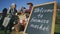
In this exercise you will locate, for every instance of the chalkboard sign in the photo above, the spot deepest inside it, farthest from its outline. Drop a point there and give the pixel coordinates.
(42, 19)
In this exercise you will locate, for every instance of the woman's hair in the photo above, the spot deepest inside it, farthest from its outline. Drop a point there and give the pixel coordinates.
(13, 4)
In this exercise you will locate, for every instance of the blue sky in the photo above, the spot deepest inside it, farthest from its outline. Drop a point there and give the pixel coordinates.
(19, 3)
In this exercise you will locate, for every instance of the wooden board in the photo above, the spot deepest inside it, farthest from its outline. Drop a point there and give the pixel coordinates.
(42, 19)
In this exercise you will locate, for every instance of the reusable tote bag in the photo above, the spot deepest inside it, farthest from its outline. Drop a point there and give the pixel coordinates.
(6, 21)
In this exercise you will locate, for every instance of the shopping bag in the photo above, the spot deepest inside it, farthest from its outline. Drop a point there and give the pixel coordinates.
(6, 21)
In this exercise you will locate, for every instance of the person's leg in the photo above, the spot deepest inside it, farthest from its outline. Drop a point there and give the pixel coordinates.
(16, 29)
(10, 28)
(21, 28)
(11, 25)
(5, 30)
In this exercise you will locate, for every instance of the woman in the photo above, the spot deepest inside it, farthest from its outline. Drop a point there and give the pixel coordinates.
(4, 14)
(12, 13)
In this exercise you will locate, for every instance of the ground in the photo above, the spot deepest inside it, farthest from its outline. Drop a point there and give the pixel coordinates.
(57, 30)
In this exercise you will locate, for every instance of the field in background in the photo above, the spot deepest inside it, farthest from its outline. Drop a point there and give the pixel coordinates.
(57, 28)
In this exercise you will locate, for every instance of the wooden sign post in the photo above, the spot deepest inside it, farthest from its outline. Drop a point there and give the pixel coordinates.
(42, 19)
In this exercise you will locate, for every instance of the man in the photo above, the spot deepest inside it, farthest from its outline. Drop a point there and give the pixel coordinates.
(30, 5)
(28, 11)
(22, 9)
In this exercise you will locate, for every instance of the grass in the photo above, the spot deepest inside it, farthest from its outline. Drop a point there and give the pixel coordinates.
(2, 32)
(57, 28)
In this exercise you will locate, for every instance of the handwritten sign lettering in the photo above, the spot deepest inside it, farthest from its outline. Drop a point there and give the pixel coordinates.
(41, 19)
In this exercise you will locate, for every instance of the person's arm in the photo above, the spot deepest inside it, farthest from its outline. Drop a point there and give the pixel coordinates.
(28, 10)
